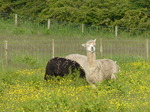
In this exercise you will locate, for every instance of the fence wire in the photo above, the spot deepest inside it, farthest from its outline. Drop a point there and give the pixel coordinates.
(33, 54)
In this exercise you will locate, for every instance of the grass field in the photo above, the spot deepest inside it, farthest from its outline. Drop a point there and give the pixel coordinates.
(26, 91)
(23, 89)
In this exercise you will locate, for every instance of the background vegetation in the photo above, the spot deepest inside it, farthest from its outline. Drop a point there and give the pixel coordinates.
(126, 13)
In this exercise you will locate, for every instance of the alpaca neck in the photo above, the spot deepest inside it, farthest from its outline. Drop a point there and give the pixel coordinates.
(91, 58)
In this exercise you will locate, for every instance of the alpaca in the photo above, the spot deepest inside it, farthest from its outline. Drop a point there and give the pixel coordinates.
(62, 66)
(105, 68)
(98, 70)
(82, 60)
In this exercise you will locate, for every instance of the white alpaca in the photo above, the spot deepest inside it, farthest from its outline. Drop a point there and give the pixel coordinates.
(98, 70)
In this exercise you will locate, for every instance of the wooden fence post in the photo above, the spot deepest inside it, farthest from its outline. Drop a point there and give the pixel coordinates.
(53, 48)
(82, 28)
(101, 48)
(116, 31)
(6, 51)
(49, 24)
(16, 19)
(147, 49)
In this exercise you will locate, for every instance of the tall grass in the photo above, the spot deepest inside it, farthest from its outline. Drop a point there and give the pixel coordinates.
(62, 30)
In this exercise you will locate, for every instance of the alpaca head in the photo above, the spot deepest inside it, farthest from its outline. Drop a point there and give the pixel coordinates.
(90, 45)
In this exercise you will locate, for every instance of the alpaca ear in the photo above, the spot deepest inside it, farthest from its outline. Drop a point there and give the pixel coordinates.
(94, 40)
(84, 45)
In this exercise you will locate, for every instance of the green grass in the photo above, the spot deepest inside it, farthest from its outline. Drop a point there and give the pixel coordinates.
(25, 90)
(65, 30)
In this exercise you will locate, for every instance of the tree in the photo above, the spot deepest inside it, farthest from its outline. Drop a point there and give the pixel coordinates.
(128, 13)
(135, 19)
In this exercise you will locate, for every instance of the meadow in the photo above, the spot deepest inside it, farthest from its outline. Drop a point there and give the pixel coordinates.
(26, 91)
(22, 85)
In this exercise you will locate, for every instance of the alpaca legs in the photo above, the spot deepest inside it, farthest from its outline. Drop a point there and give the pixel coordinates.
(93, 85)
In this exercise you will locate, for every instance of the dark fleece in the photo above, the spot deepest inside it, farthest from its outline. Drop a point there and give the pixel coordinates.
(62, 66)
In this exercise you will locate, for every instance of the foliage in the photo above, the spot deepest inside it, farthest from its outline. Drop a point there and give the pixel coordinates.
(128, 13)
(134, 18)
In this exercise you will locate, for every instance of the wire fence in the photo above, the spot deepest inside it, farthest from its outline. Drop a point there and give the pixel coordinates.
(59, 26)
(29, 53)
(33, 54)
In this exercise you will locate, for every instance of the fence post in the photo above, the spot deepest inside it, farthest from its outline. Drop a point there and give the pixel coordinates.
(49, 24)
(16, 19)
(116, 31)
(82, 28)
(147, 49)
(53, 48)
(6, 51)
(101, 48)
